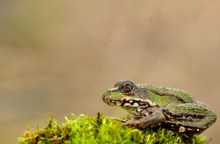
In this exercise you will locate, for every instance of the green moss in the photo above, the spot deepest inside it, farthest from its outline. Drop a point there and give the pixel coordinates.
(100, 129)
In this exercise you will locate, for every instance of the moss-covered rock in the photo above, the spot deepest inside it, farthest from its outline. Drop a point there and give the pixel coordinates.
(101, 129)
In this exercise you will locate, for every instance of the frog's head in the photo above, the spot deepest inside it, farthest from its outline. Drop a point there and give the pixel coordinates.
(128, 95)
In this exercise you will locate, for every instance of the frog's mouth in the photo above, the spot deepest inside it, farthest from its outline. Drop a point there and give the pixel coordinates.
(129, 102)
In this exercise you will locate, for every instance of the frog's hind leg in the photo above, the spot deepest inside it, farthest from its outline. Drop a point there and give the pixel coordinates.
(189, 118)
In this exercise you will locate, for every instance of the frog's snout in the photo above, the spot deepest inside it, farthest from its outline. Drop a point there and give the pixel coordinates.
(106, 99)
(105, 95)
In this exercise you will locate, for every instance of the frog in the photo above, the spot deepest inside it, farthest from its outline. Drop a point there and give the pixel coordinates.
(153, 106)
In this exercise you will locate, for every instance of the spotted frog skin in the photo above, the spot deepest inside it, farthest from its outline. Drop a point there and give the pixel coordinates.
(152, 106)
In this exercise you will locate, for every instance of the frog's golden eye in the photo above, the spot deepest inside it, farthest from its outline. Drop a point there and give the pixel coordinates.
(127, 87)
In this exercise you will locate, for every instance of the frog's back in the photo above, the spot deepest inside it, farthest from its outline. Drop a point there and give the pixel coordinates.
(165, 95)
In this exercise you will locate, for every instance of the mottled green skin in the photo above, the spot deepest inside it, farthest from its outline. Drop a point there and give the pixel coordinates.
(165, 100)
(153, 106)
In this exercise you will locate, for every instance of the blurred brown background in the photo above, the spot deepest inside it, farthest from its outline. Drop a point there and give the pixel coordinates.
(60, 56)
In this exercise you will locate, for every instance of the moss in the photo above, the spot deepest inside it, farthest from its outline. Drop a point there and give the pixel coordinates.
(100, 129)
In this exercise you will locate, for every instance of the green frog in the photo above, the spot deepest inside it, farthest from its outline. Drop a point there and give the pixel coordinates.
(152, 106)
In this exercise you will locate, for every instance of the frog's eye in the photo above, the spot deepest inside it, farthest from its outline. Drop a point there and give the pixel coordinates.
(127, 87)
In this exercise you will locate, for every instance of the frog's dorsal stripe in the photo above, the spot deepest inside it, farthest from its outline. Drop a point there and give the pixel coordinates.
(169, 94)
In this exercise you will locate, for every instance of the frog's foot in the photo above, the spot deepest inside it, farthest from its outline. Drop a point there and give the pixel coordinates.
(119, 120)
(124, 121)
(132, 122)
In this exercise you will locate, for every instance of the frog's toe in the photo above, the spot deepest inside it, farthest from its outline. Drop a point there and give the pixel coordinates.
(127, 124)
(130, 123)
(119, 120)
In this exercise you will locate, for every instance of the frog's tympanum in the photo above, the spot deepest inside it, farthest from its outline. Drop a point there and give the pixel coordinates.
(152, 106)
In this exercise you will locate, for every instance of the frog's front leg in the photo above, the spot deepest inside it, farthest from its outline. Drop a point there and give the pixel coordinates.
(149, 120)
(190, 118)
